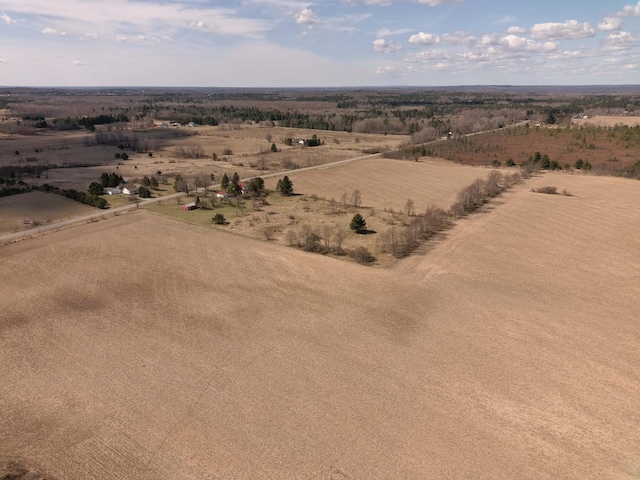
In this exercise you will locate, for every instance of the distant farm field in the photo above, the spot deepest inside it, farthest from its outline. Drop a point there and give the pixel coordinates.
(509, 350)
(39, 208)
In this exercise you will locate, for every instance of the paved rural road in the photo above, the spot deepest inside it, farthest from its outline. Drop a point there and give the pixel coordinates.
(12, 237)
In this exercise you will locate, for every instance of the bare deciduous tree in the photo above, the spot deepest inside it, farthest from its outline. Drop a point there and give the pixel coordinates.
(327, 234)
(409, 207)
(339, 237)
(202, 181)
(356, 198)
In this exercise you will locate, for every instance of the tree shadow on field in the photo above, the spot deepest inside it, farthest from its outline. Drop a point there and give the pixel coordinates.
(367, 232)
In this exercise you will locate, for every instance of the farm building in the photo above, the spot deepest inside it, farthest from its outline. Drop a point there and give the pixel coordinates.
(130, 190)
(222, 194)
(112, 191)
(189, 206)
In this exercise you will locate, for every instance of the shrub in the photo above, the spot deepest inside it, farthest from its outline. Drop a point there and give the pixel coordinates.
(219, 219)
(549, 190)
(361, 255)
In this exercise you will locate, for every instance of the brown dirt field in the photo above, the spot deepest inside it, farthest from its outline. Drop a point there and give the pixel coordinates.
(158, 349)
(386, 183)
(39, 207)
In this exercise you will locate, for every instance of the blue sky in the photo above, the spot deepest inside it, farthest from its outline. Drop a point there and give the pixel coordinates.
(293, 43)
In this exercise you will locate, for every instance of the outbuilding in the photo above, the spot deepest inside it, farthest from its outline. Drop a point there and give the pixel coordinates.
(189, 206)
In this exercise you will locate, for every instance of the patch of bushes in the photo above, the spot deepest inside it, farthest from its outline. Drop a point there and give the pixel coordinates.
(549, 190)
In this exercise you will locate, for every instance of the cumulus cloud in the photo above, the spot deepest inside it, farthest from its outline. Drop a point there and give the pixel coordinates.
(515, 43)
(490, 39)
(427, 56)
(516, 30)
(424, 39)
(459, 38)
(306, 17)
(2, 60)
(382, 46)
(632, 10)
(610, 24)
(78, 63)
(570, 29)
(6, 18)
(51, 31)
(621, 41)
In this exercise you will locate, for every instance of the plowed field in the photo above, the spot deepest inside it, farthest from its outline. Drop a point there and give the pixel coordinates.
(142, 348)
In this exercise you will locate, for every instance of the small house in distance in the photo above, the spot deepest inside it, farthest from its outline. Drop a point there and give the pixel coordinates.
(189, 206)
(130, 190)
(112, 191)
(222, 194)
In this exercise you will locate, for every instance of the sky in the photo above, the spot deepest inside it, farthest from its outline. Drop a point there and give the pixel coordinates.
(335, 43)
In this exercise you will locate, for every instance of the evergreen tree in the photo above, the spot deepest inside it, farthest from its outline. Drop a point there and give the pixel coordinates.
(95, 188)
(224, 182)
(144, 192)
(274, 148)
(153, 181)
(358, 224)
(285, 186)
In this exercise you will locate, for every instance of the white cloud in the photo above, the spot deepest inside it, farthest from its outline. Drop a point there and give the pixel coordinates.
(90, 35)
(382, 46)
(381, 3)
(459, 38)
(386, 70)
(610, 24)
(424, 39)
(6, 18)
(78, 63)
(621, 41)
(306, 17)
(2, 60)
(425, 57)
(435, 3)
(516, 30)
(490, 39)
(632, 10)
(570, 29)
(110, 18)
(385, 32)
(51, 31)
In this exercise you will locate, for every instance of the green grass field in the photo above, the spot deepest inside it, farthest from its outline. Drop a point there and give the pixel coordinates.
(198, 216)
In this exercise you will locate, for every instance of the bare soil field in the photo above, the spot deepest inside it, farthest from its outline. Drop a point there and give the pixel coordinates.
(510, 350)
(39, 208)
